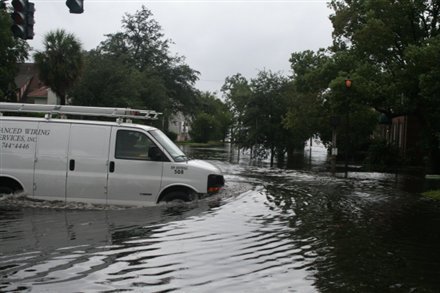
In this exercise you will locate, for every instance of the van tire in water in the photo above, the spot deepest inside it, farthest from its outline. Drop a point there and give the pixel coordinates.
(177, 195)
(6, 190)
(9, 186)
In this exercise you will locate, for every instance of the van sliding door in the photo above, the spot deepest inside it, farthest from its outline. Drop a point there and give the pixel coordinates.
(87, 163)
(51, 160)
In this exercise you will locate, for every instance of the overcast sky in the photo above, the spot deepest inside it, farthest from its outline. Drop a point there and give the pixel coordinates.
(218, 38)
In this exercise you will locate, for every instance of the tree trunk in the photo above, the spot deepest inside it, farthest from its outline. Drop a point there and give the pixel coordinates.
(272, 154)
(289, 156)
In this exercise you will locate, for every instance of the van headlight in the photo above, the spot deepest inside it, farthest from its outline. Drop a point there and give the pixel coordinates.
(215, 183)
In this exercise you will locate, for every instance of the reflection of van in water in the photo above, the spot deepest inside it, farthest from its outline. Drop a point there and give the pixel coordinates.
(96, 162)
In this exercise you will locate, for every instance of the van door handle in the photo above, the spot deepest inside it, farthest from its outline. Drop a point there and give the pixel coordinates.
(111, 167)
(72, 165)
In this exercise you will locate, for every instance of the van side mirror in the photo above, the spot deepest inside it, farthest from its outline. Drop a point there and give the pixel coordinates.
(155, 154)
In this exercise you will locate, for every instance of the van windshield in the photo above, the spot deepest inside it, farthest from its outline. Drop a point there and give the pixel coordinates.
(169, 146)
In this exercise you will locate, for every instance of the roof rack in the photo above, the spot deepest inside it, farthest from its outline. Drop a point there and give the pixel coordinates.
(49, 110)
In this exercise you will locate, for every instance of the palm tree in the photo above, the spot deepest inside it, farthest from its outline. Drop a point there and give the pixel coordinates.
(61, 63)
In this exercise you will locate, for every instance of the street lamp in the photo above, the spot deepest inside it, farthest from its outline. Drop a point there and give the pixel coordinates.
(348, 84)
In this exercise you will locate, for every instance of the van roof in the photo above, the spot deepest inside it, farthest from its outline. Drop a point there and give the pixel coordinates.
(76, 121)
(49, 110)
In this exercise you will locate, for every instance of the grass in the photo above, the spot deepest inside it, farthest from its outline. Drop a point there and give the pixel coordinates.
(434, 194)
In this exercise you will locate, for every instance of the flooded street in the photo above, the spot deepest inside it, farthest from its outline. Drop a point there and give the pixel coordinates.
(270, 230)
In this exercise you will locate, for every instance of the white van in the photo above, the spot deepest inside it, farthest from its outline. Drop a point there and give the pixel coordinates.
(115, 163)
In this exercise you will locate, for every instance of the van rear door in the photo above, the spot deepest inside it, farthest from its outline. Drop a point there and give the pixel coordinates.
(87, 163)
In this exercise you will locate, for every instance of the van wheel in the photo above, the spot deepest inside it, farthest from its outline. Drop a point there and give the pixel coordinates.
(6, 190)
(177, 196)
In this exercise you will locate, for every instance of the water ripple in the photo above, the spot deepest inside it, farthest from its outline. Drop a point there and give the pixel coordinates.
(272, 231)
(199, 252)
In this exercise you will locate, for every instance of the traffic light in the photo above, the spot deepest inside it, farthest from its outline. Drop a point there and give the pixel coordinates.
(75, 6)
(23, 19)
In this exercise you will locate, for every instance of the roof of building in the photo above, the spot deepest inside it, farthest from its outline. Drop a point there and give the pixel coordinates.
(26, 71)
(29, 83)
(39, 92)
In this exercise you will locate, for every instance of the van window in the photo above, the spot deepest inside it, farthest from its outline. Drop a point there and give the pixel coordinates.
(169, 146)
(134, 145)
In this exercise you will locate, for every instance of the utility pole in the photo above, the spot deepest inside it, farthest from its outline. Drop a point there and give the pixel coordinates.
(348, 83)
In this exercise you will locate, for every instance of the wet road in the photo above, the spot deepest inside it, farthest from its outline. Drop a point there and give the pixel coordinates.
(270, 230)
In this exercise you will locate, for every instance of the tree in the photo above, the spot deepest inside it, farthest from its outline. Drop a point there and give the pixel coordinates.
(107, 81)
(266, 111)
(390, 42)
(212, 119)
(61, 63)
(319, 96)
(203, 128)
(141, 41)
(237, 93)
(12, 51)
(309, 112)
(258, 108)
(168, 82)
(304, 117)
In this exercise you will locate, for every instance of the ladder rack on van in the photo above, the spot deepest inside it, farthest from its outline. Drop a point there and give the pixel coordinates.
(49, 110)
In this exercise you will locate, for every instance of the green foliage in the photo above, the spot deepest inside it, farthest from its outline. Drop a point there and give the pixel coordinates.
(171, 135)
(395, 51)
(390, 51)
(237, 93)
(204, 128)
(258, 107)
(12, 51)
(423, 63)
(212, 121)
(384, 38)
(382, 155)
(308, 112)
(141, 41)
(166, 82)
(61, 63)
(107, 81)
(434, 194)
(311, 70)
(134, 68)
(267, 110)
(304, 116)
(318, 95)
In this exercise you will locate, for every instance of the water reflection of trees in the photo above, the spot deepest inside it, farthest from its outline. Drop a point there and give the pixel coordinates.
(371, 241)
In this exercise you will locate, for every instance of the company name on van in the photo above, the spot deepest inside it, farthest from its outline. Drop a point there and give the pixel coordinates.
(19, 138)
(27, 131)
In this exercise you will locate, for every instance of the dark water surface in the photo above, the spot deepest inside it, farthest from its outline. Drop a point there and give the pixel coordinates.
(270, 230)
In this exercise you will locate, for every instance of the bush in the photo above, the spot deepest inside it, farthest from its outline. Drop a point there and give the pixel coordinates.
(171, 135)
(204, 128)
(383, 155)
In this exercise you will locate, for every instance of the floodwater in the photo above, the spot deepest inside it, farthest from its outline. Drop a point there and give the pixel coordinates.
(270, 230)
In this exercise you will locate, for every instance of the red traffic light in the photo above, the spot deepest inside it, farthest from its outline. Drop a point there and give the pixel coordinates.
(19, 5)
(18, 17)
